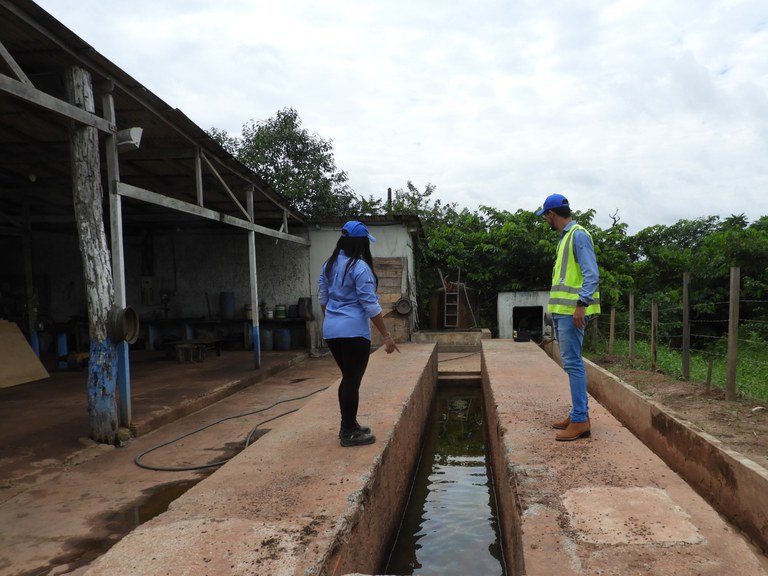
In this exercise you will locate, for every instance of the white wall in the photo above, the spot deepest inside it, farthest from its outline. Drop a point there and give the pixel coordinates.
(193, 266)
(196, 267)
(392, 240)
(508, 301)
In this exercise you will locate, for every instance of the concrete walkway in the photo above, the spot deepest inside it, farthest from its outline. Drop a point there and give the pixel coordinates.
(64, 500)
(604, 505)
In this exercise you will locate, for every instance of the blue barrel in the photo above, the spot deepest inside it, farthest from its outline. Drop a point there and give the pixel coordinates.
(282, 339)
(227, 305)
(265, 338)
(298, 336)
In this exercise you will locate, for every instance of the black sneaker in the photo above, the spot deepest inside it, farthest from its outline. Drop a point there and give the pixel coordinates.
(357, 428)
(357, 438)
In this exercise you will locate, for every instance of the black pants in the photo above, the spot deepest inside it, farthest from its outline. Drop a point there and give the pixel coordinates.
(351, 354)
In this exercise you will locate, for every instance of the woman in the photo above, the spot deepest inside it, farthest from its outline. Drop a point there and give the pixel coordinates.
(347, 294)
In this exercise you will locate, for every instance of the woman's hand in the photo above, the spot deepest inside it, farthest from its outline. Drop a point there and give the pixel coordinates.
(389, 344)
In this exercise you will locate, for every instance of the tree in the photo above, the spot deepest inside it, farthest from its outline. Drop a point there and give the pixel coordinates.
(615, 258)
(298, 164)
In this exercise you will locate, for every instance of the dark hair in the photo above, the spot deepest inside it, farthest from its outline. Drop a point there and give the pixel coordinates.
(356, 249)
(563, 211)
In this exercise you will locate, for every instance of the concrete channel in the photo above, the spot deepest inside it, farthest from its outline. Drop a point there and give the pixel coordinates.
(296, 503)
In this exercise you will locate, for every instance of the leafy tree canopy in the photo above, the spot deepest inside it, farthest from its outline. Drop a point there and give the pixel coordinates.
(298, 164)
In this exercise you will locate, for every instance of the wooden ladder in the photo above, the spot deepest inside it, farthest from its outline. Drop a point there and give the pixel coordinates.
(451, 309)
(451, 304)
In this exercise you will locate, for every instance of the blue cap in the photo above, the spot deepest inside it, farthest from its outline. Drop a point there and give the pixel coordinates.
(355, 229)
(553, 201)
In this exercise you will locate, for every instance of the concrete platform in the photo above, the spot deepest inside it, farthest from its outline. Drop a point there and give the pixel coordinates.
(604, 505)
(65, 499)
(297, 503)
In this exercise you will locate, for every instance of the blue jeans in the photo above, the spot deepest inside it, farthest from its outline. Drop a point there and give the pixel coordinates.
(569, 340)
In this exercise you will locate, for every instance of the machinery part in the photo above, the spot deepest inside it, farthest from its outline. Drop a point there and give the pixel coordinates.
(122, 324)
(403, 306)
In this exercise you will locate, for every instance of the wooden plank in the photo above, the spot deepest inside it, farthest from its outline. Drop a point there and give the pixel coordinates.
(43, 100)
(18, 363)
(390, 273)
(389, 261)
(389, 286)
(388, 300)
(179, 205)
(15, 68)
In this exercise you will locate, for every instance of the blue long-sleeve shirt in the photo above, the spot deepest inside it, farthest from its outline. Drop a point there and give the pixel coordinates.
(350, 300)
(584, 251)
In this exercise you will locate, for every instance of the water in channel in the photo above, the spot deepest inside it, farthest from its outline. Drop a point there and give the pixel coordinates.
(450, 525)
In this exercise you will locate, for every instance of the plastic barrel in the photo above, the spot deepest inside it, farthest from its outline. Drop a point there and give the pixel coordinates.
(282, 338)
(265, 337)
(227, 305)
(298, 336)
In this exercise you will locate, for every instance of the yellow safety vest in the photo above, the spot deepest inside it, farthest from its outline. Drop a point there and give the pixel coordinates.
(567, 279)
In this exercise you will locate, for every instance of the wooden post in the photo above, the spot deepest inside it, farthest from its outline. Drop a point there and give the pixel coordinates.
(87, 195)
(29, 281)
(686, 355)
(118, 258)
(631, 328)
(654, 327)
(594, 332)
(733, 333)
(612, 331)
(254, 327)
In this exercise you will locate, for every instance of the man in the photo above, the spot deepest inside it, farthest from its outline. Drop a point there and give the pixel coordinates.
(574, 297)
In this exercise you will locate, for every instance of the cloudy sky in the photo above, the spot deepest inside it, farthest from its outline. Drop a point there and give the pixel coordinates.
(651, 110)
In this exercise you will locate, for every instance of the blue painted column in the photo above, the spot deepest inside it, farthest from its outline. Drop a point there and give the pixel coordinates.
(256, 339)
(124, 381)
(34, 342)
(61, 349)
(102, 376)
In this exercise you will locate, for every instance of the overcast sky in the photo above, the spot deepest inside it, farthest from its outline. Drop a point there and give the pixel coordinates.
(656, 110)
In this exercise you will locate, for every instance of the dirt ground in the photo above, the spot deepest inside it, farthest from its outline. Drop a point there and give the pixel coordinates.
(741, 425)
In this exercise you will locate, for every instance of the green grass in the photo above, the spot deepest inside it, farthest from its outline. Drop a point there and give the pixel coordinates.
(751, 364)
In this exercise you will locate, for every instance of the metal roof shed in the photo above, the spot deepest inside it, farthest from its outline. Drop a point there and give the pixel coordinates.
(177, 174)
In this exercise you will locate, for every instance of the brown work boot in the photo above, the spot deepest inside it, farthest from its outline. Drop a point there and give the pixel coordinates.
(574, 431)
(563, 424)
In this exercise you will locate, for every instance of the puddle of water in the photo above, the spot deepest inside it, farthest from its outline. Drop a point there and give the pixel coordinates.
(119, 523)
(450, 525)
(158, 501)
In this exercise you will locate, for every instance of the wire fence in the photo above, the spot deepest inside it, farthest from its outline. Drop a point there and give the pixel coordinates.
(708, 342)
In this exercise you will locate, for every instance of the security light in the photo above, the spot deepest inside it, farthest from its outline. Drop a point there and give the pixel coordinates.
(129, 139)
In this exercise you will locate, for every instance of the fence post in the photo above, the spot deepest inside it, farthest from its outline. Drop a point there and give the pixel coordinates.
(686, 356)
(631, 327)
(654, 323)
(612, 331)
(733, 333)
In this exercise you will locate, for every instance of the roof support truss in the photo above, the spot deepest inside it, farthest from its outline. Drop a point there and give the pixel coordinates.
(38, 98)
(160, 200)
